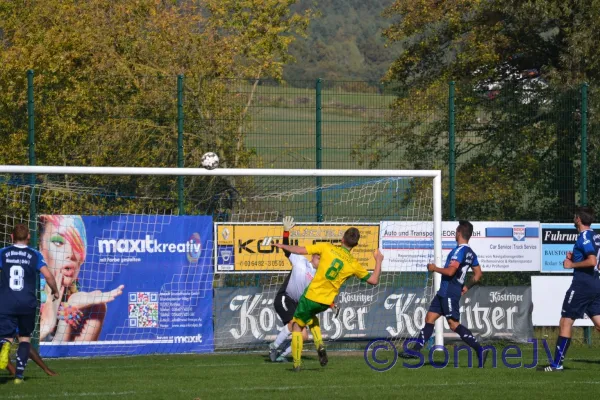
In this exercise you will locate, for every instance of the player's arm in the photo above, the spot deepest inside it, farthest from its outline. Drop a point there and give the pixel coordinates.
(35, 356)
(288, 224)
(50, 281)
(11, 369)
(590, 261)
(477, 274)
(292, 249)
(450, 271)
(374, 278)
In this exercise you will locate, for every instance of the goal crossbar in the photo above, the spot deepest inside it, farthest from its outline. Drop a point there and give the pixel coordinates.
(25, 169)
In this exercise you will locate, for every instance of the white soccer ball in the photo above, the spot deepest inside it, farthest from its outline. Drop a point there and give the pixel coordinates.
(210, 160)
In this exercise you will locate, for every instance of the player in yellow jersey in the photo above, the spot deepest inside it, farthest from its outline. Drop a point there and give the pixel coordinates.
(335, 267)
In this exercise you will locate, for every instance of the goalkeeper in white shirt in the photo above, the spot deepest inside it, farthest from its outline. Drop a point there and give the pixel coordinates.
(289, 293)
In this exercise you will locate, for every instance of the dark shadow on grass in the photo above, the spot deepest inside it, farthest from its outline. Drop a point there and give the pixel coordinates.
(267, 359)
(583, 360)
(311, 370)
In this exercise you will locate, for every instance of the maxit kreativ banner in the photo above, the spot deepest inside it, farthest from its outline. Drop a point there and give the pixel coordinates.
(129, 284)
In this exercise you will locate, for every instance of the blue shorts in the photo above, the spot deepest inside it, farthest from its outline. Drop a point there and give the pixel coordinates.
(449, 307)
(23, 323)
(578, 301)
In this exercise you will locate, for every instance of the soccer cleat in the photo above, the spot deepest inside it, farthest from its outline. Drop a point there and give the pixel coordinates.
(4, 354)
(18, 381)
(273, 352)
(408, 356)
(551, 368)
(281, 359)
(296, 369)
(322, 355)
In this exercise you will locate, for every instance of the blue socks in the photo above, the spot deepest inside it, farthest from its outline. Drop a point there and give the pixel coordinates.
(562, 345)
(424, 336)
(467, 337)
(22, 358)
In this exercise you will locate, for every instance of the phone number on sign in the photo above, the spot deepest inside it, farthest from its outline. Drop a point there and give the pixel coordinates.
(275, 263)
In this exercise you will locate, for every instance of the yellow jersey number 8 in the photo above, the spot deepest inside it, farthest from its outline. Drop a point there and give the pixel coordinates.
(334, 269)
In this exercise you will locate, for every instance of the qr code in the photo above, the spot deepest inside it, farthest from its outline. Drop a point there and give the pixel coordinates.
(143, 310)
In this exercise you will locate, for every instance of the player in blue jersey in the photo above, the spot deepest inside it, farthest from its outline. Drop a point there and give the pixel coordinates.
(584, 294)
(19, 266)
(447, 300)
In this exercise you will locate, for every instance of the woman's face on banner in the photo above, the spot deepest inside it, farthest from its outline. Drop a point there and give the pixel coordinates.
(63, 248)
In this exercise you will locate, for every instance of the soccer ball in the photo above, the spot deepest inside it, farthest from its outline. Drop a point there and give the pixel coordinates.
(210, 160)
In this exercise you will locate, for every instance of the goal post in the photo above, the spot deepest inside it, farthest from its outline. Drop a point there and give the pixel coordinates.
(144, 279)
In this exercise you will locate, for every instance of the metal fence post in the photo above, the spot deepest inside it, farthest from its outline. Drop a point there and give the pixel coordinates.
(32, 205)
(583, 184)
(318, 148)
(451, 153)
(587, 331)
(31, 145)
(180, 195)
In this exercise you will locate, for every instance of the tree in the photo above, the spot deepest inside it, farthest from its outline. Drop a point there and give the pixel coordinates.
(518, 67)
(261, 31)
(344, 42)
(105, 80)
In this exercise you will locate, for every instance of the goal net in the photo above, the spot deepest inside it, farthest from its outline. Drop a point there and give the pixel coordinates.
(146, 266)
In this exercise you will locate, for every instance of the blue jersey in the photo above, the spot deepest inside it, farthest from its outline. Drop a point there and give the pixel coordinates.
(587, 244)
(452, 285)
(19, 267)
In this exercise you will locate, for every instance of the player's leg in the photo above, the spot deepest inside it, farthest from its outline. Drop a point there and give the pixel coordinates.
(451, 310)
(297, 342)
(11, 369)
(301, 317)
(26, 326)
(8, 328)
(288, 350)
(573, 308)
(427, 330)
(434, 312)
(467, 336)
(305, 312)
(315, 329)
(283, 334)
(562, 343)
(22, 358)
(282, 337)
(35, 356)
(593, 311)
(285, 308)
(4, 352)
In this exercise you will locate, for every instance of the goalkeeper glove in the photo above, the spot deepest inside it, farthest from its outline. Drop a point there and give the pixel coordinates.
(336, 310)
(288, 223)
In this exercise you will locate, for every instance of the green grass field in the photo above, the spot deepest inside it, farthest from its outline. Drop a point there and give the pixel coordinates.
(252, 376)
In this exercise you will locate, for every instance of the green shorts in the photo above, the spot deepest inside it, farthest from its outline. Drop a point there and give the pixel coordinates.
(307, 310)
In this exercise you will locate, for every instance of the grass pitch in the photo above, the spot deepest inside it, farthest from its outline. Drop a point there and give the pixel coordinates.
(252, 376)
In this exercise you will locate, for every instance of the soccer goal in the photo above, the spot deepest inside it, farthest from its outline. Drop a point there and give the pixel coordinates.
(147, 266)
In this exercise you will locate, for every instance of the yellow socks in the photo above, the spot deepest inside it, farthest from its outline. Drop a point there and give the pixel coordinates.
(316, 333)
(297, 343)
